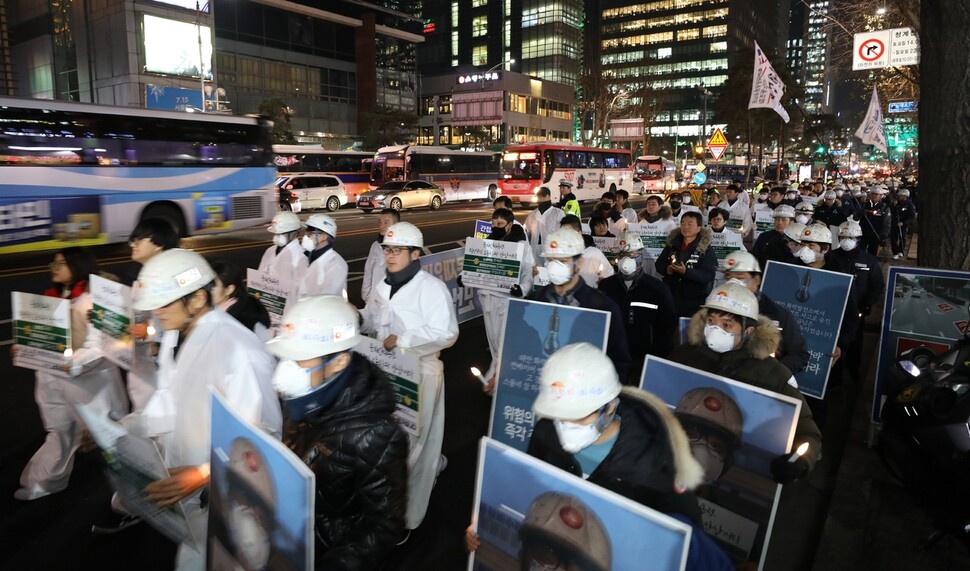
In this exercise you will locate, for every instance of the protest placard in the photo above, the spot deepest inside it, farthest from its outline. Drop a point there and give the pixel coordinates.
(111, 316)
(446, 266)
(653, 235)
(41, 332)
(269, 291)
(482, 229)
(401, 367)
(764, 220)
(492, 264)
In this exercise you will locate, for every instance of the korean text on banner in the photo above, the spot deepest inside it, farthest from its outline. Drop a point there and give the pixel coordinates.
(872, 131)
(482, 229)
(653, 235)
(492, 264)
(764, 220)
(41, 332)
(767, 88)
(446, 266)
(112, 315)
(269, 291)
(401, 367)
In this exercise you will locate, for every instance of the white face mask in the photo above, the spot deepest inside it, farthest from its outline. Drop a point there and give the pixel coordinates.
(801, 219)
(718, 340)
(838, 194)
(559, 272)
(291, 380)
(807, 255)
(308, 243)
(627, 266)
(280, 240)
(711, 461)
(686, 200)
(250, 538)
(848, 244)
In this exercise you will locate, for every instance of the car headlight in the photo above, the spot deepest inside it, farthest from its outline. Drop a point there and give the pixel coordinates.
(380, 197)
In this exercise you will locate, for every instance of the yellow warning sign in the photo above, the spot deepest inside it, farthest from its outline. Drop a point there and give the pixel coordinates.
(717, 139)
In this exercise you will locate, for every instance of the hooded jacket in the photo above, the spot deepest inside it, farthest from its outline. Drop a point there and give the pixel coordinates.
(650, 463)
(359, 456)
(649, 314)
(830, 215)
(752, 364)
(691, 289)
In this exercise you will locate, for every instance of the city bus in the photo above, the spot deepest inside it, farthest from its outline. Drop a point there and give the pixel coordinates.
(529, 166)
(351, 167)
(464, 175)
(657, 173)
(76, 174)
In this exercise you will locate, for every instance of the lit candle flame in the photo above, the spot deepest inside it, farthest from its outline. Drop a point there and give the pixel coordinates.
(799, 452)
(478, 375)
(68, 352)
(150, 330)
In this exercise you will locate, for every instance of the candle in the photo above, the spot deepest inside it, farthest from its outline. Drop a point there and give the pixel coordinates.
(150, 330)
(802, 449)
(478, 375)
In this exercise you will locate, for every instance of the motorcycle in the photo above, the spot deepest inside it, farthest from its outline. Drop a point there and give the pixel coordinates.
(925, 441)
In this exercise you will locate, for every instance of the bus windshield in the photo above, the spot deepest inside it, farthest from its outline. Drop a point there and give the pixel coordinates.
(521, 166)
(649, 168)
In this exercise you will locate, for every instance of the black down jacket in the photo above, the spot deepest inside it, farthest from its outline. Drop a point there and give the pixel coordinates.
(359, 456)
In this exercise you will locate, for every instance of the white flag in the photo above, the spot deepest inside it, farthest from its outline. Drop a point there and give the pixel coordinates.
(872, 131)
(766, 87)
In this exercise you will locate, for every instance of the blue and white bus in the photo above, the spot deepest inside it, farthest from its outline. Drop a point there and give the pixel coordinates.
(74, 174)
(463, 175)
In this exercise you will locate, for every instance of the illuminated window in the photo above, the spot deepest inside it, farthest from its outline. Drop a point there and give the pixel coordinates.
(689, 34)
(480, 55)
(479, 26)
(479, 3)
(718, 47)
(715, 31)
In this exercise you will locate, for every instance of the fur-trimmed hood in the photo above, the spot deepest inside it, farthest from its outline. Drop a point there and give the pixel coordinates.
(703, 239)
(665, 214)
(761, 343)
(689, 472)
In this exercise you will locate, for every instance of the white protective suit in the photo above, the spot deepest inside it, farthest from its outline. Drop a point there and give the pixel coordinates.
(422, 315)
(495, 308)
(539, 225)
(326, 275)
(94, 381)
(739, 211)
(374, 271)
(222, 354)
(141, 376)
(288, 266)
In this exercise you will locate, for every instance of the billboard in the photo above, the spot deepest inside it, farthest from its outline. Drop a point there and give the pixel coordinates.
(172, 47)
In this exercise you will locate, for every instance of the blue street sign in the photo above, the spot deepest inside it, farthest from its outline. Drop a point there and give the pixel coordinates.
(172, 98)
(700, 178)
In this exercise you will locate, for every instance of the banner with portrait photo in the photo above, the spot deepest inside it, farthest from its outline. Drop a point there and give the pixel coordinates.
(111, 316)
(528, 513)
(817, 299)
(261, 499)
(41, 332)
(925, 307)
(401, 367)
(492, 264)
(446, 266)
(736, 430)
(533, 331)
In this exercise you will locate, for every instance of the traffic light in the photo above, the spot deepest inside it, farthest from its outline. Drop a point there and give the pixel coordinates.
(699, 151)
(820, 150)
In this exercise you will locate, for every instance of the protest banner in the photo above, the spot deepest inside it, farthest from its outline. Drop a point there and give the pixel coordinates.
(534, 331)
(516, 494)
(41, 332)
(482, 229)
(261, 499)
(269, 291)
(817, 299)
(446, 266)
(492, 264)
(764, 220)
(738, 503)
(608, 246)
(653, 235)
(111, 316)
(724, 243)
(401, 367)
(925, 307)
(131, 463)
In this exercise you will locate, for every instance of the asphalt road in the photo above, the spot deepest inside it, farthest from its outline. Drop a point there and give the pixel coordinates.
(927, 314)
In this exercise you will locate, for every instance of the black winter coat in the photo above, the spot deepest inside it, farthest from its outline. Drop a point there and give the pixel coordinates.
(249, 311)
(359, 456)
(648, 329)
(690, 289)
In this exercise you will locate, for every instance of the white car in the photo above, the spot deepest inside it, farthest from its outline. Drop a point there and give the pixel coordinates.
(314, 190)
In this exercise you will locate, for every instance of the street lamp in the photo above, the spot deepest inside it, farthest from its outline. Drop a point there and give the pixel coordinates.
(493, 68)
(198, 27)
(621, 95)
(705, 91)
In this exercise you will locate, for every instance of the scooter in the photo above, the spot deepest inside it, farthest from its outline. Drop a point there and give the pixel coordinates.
(925, 441)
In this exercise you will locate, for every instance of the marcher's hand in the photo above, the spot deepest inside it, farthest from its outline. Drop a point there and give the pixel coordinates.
(87, 441)
(90, 315)
(535, 271)
(471, 539)
(13, 352)
(835, 356)
(515, 290)
(785, 472)
(489, 386)
(679, 267)
(138, 330)
(390, 342)
(182, 482)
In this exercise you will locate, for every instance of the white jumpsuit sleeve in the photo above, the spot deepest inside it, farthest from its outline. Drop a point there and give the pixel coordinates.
(440, 328)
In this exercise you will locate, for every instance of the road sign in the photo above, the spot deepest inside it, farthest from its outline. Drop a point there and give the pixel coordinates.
(717, 144)
(700, 178)
(903, 106)
(896, 47)
(699, 167)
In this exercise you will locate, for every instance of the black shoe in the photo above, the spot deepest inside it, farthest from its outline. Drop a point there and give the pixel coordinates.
(116, 524)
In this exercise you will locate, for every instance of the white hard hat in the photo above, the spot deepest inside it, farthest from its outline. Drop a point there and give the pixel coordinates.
(316, 326)
(168, 276)
(783, 211)
(403, 234)
(850, 229)
(829, 195)
(805, 206)
(741, 261)
(817, 232)
(903, 192)
(878, 189)
(284, 223)
(323, 223)
(733, 297)
(629, 242)
(794, 231)
(563, 243)
(576, 381)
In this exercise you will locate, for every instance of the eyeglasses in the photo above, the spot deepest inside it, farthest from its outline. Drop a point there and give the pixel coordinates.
(395, 250)
(56, 264)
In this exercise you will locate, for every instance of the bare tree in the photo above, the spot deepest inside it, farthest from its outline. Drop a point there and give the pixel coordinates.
(944, 130)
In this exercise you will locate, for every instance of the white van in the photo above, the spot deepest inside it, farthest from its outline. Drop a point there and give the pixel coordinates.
(314, 190)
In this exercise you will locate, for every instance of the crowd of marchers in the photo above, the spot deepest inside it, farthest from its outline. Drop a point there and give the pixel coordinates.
(197, 329)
